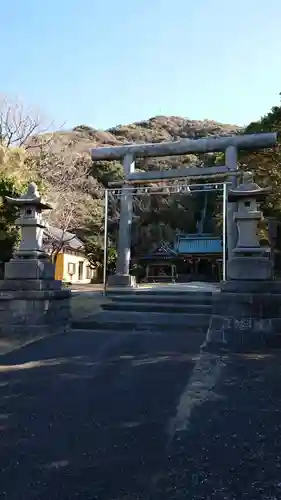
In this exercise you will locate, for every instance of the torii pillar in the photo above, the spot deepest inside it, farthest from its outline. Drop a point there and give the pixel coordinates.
(231, 154)
(122, 276)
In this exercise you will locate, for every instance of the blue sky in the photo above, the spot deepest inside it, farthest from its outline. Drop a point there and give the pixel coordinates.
(107, 62)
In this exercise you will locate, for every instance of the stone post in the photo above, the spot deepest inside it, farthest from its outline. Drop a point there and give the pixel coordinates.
(32, 302)
(122, 276)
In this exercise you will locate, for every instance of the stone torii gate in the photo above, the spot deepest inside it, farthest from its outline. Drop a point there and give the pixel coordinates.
(128, 153)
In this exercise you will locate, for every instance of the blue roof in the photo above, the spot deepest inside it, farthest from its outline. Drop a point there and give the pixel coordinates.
(199, 245)
(188, 244)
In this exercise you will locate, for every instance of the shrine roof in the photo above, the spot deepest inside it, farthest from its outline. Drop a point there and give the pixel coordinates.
(198, 244)
(160, 253)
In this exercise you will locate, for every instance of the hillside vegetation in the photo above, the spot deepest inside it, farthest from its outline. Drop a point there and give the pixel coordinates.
(60, 163)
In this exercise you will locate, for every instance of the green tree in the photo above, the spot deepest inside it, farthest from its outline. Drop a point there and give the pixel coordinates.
(94, 247)
(14, 177)
(107, 171)
(266, 165)
(9, 235)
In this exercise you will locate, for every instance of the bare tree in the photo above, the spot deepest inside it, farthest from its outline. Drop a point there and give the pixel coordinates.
(27, 152)
(75, 196)
(18, 124)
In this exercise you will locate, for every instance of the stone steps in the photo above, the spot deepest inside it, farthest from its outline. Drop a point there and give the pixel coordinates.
(144, 306)
(153, 310)
(163, 298)
(123, 320)
(138, 292)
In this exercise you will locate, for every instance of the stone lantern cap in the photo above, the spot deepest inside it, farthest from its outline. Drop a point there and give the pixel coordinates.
(31, 197)
(248, 189)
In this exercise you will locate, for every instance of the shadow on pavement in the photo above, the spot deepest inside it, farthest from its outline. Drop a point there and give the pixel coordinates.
(138, 416)
(85, 415)
(231, 448)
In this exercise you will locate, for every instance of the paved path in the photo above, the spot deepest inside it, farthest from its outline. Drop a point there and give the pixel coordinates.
(192, 286)
(197, 286)
(138, 416)
(84, 416)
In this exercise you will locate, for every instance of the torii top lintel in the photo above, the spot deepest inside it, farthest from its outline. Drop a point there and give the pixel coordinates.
(186, 146)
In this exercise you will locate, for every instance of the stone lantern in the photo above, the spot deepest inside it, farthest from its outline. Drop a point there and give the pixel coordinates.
(32, 303)
(249, 261)
(30, 222)
(30, 261)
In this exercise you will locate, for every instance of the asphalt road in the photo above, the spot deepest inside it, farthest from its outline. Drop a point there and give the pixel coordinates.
(138, 416)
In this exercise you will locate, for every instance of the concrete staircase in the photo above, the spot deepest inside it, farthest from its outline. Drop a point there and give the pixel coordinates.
(159, 309)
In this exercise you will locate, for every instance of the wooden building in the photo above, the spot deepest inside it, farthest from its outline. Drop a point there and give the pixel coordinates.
(192, 257)
(72, 265)
(200, 257)
(160, 266)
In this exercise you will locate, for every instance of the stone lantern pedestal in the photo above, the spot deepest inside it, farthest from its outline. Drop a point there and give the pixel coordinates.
(32, 302)
(247, 313)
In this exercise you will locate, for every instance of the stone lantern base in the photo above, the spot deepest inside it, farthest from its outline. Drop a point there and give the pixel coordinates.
(246, 316)
(32, 303)
(29, 269)
(256, 267)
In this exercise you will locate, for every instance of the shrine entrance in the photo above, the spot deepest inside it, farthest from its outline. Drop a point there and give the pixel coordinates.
(128, 153)
(188, 257)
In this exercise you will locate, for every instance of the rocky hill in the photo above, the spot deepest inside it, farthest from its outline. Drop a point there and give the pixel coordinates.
(156, 129)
